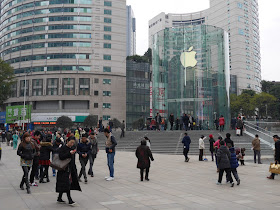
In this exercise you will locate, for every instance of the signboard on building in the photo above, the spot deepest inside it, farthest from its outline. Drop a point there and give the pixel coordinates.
(52, 117)
(2, 117)
(15, 114)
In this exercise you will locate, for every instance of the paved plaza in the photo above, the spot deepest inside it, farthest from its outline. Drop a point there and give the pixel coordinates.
(173, 184)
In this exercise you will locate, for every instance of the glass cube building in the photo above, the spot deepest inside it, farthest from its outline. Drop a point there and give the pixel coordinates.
(191, 73)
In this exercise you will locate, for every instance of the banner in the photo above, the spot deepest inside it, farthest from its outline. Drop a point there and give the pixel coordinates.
(2, 117)
(14, 114)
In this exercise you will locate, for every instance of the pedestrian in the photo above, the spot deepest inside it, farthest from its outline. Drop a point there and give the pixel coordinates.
(201, 147)
(3, 136)
(276, 154)
(256, 143)
(67, 179)
(228, 140)
(26, 151)
(100, 125)
(148, 142)
(216, 147)
(186, 141)
(223, 159)
(144, 154)
(222, 123)
(242, 154)
(84, 150)
(9, 138)
(177, 123)
(158, 121)
(77, 135)
(44, 159)
(111, 151)
(111, 124)
(15, 140)
(122, 128)
(239, 126)
(186, 122)
(234, 164)
(211, 142)
(162, 123)
(34, 172)
(171, 121)
(56, 145)
(94, 150)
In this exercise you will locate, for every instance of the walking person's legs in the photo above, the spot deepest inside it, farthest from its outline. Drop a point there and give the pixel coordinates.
(34, 168)
(110, 158)
(235, 174)
(221, 173)
(259, 157)
(25, 178)
(200, 154)
(42, 174)
(147, 174)
(229, 177)
(212, 155)
(90, 172)
(255, 155)
(141, 174)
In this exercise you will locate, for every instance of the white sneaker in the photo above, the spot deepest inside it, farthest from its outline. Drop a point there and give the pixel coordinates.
(110, 179)
(106, 177)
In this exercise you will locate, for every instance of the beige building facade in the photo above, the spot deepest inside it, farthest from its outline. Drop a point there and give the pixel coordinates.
(72, 52)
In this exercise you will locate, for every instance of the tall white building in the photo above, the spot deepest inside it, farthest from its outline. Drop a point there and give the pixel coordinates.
(131, 32)
(241, 20)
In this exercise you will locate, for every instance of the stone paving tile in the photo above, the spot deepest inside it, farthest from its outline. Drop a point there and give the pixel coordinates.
(173, 184)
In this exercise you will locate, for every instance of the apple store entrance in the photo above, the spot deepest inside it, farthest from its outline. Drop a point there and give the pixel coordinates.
(191, 73)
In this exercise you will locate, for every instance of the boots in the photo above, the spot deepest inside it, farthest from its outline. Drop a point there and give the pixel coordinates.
(28, 190)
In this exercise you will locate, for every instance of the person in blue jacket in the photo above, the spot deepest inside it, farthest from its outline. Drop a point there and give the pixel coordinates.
(84, 150)
(186, 141)
(234, 163)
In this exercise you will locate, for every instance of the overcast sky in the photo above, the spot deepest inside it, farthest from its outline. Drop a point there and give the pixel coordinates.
(145, 10)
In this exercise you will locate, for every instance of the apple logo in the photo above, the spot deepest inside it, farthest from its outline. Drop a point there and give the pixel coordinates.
(188, 58)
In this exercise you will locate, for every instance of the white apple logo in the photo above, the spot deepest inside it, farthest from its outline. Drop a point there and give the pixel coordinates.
(188, 58)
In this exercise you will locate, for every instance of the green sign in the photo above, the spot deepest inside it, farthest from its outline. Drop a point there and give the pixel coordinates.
(16, 113)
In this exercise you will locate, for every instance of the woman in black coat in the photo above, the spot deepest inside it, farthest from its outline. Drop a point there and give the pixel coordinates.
(44, 159)
(144, 154)
(68, 179)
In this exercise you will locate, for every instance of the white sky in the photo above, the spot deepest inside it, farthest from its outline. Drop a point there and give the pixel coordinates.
(144, 10)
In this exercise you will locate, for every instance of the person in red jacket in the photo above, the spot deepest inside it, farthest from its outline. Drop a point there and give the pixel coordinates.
(222, 123)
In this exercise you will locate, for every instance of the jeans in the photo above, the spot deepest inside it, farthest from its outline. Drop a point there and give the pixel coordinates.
(110, 162)
(24, 179)
(235, 174)
(185, 152)
(83, 162)
(68, 196)
(257, 153)
(34, 168)
(200, 154)
(91, 161)
(228, 175)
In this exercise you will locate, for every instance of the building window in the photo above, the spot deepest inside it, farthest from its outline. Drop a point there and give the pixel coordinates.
(106, 106)
(107, 28)
(95, 105)
(106, 93)
(96, 92)
(37, 87)
(241, 31)
(96, 80)
(240, 5)
(107, 3)
(52, 87)
(107, 37)
(106, 69)
(107, 81)
(14, 90)
(68, 87)
(84, 86)
(106, 117)
(22, 87)
(107, 57)
(107, 20)
(107, 12)
(107, 45)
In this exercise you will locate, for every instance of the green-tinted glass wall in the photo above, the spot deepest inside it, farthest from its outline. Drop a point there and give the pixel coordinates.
(191, 73)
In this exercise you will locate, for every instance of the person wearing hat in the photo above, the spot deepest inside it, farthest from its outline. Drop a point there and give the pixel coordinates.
(201, 147)
(277, 154)
(211, 141)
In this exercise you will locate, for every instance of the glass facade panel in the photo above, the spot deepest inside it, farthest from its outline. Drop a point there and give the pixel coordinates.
(106, 93)
(52, 87)
(107, 20)
(106, 69)
(107, 57)
(22, 88)
(37, 87)
(84, 86)
(68, 86)
(14, 90)
(191, 73)
(108, 3)
(107, 37)
(107, 81)
(107, 45)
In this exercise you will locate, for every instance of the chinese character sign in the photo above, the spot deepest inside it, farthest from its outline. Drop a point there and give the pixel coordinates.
(16, 113)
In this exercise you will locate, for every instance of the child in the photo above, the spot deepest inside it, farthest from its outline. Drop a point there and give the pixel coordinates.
(234, 164)
(242, 154)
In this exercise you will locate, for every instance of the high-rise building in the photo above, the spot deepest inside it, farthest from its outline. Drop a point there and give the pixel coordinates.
(240, 19)
(131, 32)
(72, 53)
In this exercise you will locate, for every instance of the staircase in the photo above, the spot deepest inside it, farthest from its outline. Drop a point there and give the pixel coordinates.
(169, 142)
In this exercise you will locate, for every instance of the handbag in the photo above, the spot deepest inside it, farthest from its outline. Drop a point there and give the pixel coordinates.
(274, 168)
(58, 163)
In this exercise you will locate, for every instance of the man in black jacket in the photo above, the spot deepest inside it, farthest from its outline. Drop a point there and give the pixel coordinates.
(171, 120)
(228, 140)
(84, 150)
(277, 153)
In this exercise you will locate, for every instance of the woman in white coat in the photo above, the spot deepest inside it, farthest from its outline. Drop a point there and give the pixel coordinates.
(201, 147)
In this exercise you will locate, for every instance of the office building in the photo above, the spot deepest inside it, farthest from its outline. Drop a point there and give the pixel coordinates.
(131, 32)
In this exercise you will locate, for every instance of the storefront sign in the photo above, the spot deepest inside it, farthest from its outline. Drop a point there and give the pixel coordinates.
(2, 117)
(16, 113)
